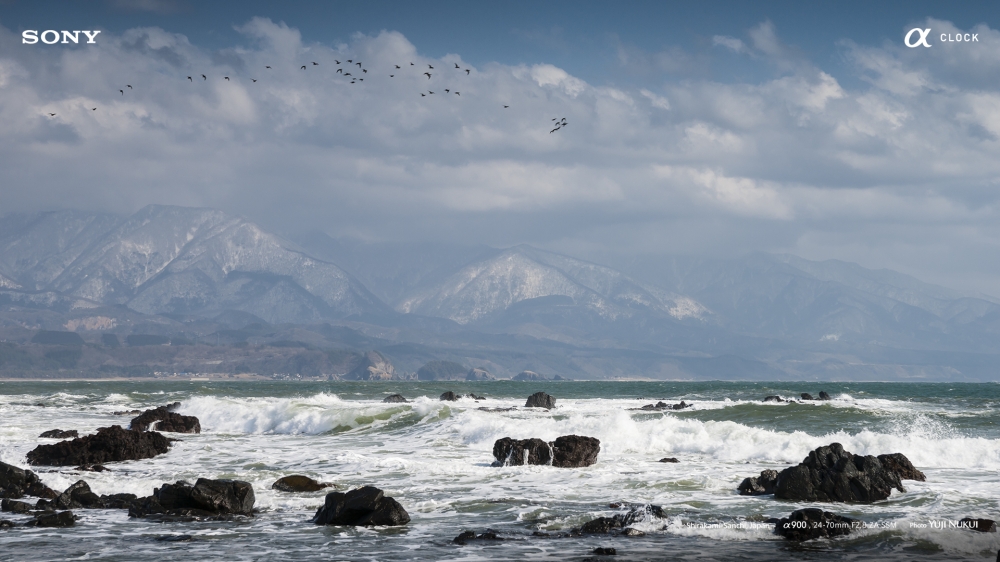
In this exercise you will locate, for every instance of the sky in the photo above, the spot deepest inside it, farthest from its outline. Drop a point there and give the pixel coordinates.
(707, 129)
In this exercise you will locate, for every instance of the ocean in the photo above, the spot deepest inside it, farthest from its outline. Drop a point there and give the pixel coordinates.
(435, 458)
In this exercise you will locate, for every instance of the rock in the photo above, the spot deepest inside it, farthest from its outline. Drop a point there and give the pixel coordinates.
(466, 536)
(824, 396)
(478, 374)
(61, 519)
(475, 397)
(759, 485)
(664, 406)
(513, 452)
(669, 459)
(373, 367)
(813, 523)
(78, 496)
(574, 451)
(14, 506)
(174, 538)
(60, 434)
(681, 406)
(17, 482)
(831, 474)
(362, 506)
(620, 523)
(540, 400)
(394, 399)
(299, 483)
(6, 524)
(449, 396)
(605, 551)
(807, 396)
(126, 413)
(529, 376)
(91, 468)
(207, 498)
(774, 398)
(118, 501)
(485, 409)
(898, 463)
(163, 419)
(981, 525)
(109, 444)
(630, 532)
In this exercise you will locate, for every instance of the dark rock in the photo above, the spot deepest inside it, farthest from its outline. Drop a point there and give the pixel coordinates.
(6, 524)
(91, 468)
(605, 551)
(773, 399)
(574, 451)
(394, 398)
(898, 463)
(620, 523)
(759, 485)
(181, 501)
(17, 482)
(60, 434)
(807, 396)
(812, 523)
(78, 496)
(174, 538)
(109, 444)
(449, 396)
(14, 506)
(474, 397)
(61, 519)
(831, 474)
(824, 396)
(361, 507)
(299, 483)
(540, 400)
(485, 409)
(514, 452)
(669, 459)
(981, 525)
(118, 501)
(163, 419)
(126, 413)
(630, 532)
(466, 536)
(681, 406)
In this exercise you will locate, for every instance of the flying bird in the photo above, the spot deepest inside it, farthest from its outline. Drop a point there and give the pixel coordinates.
(411, 64)
(129, 86)
(365, 70)
(340, 70)
(52, 114)
(336, 61)
(349, 60)
(430, 67)
(447, 90)
(315, 63)
(506, 106)
(423, 95)
(456, 65)
(267, 67)
(458, 93)
(392, 76)
(254, 79)
(396, 65)
(359, 64)
(347, 74)
(203, 77)
(226, 77)
(122, 91)
(428, 74)
(189, 78)
(466, 71)
(303, 67)
(429, 92)
(94, 109)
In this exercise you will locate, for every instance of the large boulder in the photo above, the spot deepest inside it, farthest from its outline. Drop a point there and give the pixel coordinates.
(78, 496)
(620, 523)
(206, 498)
(17, 482)
(898, 463)
(759, 485)
(449, 396)
(812, 523)
(109, 444)
(567, 451)
(540, 400)
(163, 419)
(298, 483)
(831, 474)
(61, 519)
(60, 434)
(362, 506)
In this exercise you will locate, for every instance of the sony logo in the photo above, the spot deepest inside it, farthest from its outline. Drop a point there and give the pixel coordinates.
(51, 36)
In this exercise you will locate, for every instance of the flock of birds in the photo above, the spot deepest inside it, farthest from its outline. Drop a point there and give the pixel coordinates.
(559, 123)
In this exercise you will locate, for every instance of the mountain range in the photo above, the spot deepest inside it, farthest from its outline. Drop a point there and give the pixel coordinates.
(199, 272)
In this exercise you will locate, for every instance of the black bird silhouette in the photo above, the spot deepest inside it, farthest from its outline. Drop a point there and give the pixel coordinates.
(411, 64)
(466, 71)
(347, 74)
(189, 78)
(428, 74)
(129, 86)
(94, 109)
(52, 114)
(122, 91)
(267, 67)
(336, 61)
(456, 65)
(506, 106)
(340, 70)
(396, 65)
(303, 67)
(458, 93)
(254, 79)
(430, 67)
(392, 76)
(359, 64)
(226, 77)
(203, 77)
(447, 90)
(365, 70)
(349, 60)
(423, 95)
(361, 79)
(315, 64)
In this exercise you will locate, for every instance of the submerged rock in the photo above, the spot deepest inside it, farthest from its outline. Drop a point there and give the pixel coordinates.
(812, 523)
(669, 459)
(14, 506)
(18, 482)
(61, 519)
(540, 400)
(605, 550)
(831, 474)
(361, 507)
(807, 396)
(759, 485)
(466, 536)
(59, 434)
(567, 451)
(299, 483)
(91, 468)
(664, 406)
(394, 399)
(824, 396)
(164, 419)
(109, 444)
(449, 397)
(898, 463)
(620, 523)
(773, 398)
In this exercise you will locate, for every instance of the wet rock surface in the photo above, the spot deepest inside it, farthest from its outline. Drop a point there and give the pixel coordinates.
(394, 399)
(540, 400)
(165, 419)
(773, 398)
(205, 499)
(659, 406)
(573, 451)
(831, 474)
(898, 463)
(813, 523)
(299, 483)
(620, 523)
(469, 536)
(449, 397)
(366, 506)
(14, 506)
(61, 519)
(567, 451)
(759, 485)
(18, 482)
(59, 434)
(669, 459)
(109, 444)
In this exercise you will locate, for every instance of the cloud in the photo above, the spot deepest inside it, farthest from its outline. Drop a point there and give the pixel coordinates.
(795, 161)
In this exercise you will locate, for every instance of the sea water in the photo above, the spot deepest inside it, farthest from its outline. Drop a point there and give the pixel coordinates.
(435, 458)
